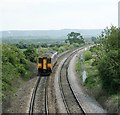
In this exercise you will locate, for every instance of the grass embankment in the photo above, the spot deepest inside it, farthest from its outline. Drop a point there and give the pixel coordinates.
(15, 70)
(93, 83)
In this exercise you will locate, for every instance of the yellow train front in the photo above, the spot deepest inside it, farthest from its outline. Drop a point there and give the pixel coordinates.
(46, 63)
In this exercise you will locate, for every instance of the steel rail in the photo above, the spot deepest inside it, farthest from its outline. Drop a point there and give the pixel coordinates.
(33, 96)
(60, 84)
(46, 97)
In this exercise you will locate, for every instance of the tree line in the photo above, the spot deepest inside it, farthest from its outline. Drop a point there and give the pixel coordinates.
(108, 59)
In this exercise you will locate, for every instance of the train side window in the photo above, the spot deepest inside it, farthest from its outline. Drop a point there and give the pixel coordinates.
(40, 60)
(49, 60)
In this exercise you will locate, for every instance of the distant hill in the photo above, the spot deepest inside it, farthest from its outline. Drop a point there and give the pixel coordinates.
(56, 34)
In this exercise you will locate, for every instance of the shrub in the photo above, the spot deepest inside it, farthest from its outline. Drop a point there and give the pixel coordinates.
(30, 54)
(108, 59)
(109, 72)
(14, 65)
(87, 55)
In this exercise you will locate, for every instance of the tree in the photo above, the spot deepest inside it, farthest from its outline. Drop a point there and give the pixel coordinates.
(30, 54)
(21, 45)
(74, 37)
(108, 62)
(44, 45)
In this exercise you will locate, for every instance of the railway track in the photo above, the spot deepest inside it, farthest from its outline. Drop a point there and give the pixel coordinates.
(39, 99)
(69, 99)
(34, 104)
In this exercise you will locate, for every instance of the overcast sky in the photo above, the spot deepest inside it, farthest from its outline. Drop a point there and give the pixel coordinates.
(57, 14)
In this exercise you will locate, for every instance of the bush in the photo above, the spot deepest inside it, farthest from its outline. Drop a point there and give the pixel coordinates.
(109, 72)
(93, 49)
(9, 75)
(14, 66)
(108, 59)
(31, 54)
(76, 45)
(61, 49)
(87, 55)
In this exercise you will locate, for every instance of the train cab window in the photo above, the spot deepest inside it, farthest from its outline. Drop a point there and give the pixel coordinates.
(49, 60)
(40, 60)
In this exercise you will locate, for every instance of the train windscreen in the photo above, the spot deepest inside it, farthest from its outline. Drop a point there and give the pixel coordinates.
(40, 60)
(49, 60)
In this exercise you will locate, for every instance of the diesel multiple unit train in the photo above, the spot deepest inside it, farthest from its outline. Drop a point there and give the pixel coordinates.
(46, 62)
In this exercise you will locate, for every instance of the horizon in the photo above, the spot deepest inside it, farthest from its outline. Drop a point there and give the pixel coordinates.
(51, 33)
(52, 29)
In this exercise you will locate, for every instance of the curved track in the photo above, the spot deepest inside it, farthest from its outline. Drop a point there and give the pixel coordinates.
(70, 100)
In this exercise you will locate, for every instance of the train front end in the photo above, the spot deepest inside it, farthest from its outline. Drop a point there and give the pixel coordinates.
(44, 66)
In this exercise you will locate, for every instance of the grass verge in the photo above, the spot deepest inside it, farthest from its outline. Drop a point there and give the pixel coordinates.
(93, 86)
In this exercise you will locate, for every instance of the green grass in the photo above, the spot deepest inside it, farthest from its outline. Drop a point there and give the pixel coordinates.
(78, 67)
(9, 75)
(93, 84)
(92, 80)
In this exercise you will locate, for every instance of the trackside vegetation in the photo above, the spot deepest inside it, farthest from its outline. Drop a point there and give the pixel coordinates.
(87, 55)
(102, 67)
(108, 59)
(14, 66)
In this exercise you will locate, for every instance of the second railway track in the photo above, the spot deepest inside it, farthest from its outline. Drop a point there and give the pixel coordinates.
(69, 99)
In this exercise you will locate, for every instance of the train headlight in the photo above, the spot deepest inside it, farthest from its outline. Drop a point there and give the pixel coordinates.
(39, 65)
(50, 66)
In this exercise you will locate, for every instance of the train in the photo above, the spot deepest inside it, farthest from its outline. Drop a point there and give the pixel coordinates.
(46, 62)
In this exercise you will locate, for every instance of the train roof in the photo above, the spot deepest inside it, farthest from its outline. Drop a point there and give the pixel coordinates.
(49, 54)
